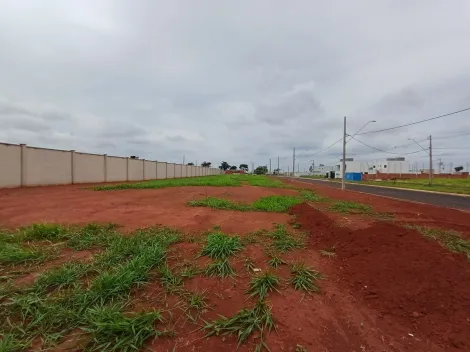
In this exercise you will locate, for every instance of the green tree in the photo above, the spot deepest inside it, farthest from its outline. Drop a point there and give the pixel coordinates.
(261, 170)
(191, 164)
(224, 166)
(206, 164)
(233, 167)
(244, 167)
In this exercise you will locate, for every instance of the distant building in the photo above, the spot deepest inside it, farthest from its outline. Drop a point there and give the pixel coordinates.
(385, 166)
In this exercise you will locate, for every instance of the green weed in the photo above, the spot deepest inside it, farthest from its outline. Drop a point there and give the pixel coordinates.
(310, 195)
(50, 232)
(221, 246)
(189, 270)
(249, 264)
(170, 281)
(219, 203)
(276, 262)
(305, 278)
(278, 204)
(282, 240)
(10, 343)
(220, 268)
(346, 207)
(260, 285)
(112, 330)
(62, 276)
(244, 323)
(15, 254)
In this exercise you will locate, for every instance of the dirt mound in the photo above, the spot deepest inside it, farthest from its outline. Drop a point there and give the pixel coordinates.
(411, 281)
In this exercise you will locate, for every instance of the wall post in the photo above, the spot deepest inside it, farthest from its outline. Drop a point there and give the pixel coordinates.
(24, 163)
(143, 169)
(105, 167)
(166, 170)
(72, 165)
(127, 168)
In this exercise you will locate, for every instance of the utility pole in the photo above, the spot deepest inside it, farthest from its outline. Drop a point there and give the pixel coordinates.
(343, 173)
(288, 171)
(430, 160)
(270, 166)
(293, 164)
(298, 168)
(278, 170)
(253, 168)
(183, 159)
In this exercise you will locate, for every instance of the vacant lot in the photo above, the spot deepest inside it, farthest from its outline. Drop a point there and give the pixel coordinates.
(227, 262)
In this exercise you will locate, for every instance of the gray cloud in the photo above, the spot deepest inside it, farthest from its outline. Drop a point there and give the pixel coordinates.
(238, 81)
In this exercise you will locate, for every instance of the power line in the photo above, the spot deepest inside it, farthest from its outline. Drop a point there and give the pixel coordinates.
(414, 123)
(331, 145)
(452, 136)
(384, 151)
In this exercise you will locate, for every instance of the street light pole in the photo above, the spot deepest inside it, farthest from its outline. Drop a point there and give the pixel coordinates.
(343, 183)
(430, 160)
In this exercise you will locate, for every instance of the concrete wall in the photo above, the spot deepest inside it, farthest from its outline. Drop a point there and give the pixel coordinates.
(21, 165)
(10, 165)
(178, 170)
(47, 167)
(88, 168)
(116, 169)
(136, 170)
(161, 170)
(170, 170)
(150, 170)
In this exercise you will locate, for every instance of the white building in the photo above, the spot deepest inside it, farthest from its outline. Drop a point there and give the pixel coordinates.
(385, 166)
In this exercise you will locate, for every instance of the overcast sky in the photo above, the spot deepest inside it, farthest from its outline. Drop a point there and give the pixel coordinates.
(240, 81)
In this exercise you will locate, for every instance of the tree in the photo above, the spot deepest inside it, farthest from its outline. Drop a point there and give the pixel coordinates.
(206, 164)
(458, 168)
(224, 166)
(261, 170)
(277, 171)
(233, 167)
(244, 167)
(191, 164)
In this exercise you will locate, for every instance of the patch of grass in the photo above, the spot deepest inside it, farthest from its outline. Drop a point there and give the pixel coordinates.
(276, 262)
(346, 207)
(310, 195)
(264, 181)
(220, 268)
(277, 204)
(189, 270)
(170, 281)
(261, 284)
(219, 203)
(113, 330)
(449, 239)
(296, 225)
(16, 254)
(62, 276)
(10, 343)
(196, 300)
(213, 181)
(50, 232)
(221, 246)
(244, 323)
(92, 235)
(304, 278)
(446, 185)
(282, 240)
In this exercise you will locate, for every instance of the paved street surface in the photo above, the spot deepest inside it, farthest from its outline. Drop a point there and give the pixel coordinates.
(443, 200)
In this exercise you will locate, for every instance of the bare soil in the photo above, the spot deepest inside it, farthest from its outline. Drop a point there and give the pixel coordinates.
(387, 289)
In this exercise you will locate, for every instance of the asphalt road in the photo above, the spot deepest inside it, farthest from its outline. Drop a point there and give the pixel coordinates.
(443, 200)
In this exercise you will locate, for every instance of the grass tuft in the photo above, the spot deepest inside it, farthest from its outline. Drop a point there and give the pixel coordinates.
(62, 276)
(276, 262)
(304, 278)
(15, 254)
(170, 281)
(276, 204)
(282, 240)
(328, 252)
(50, 232)
(346, 207)
(310, 195)
(221, 246)
(244, 323)
(112, 330)
(260, 285)
(220, 268)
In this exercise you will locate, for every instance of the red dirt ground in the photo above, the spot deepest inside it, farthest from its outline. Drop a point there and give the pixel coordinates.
(135, 208)
(387, 289)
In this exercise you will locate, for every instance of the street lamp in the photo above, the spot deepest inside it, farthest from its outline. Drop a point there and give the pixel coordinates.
(343, 173)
